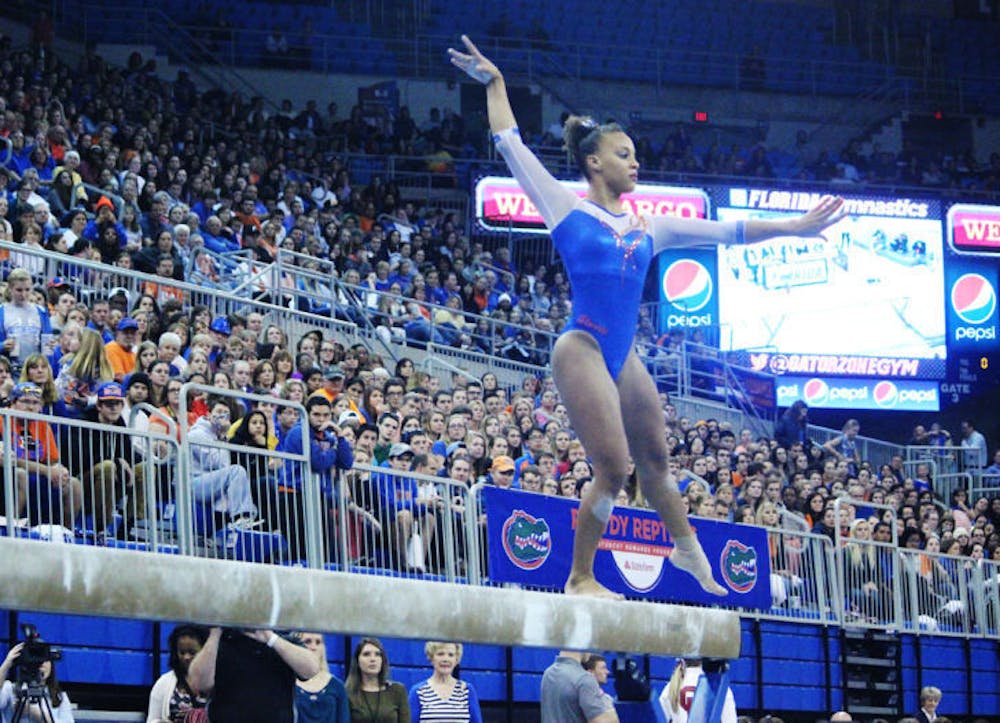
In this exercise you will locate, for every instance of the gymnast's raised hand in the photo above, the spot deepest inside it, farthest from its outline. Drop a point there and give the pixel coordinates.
(477, 65)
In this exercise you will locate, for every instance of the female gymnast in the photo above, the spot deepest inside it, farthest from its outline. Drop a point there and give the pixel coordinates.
(612, 401)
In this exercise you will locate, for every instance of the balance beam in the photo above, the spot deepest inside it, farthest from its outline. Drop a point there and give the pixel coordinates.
(77, 579)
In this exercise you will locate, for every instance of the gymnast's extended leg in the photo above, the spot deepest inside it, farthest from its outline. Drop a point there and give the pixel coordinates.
(590, 396)
(644, 428)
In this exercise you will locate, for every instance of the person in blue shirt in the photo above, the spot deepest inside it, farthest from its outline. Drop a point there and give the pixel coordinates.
(607, 249)
(328, 453)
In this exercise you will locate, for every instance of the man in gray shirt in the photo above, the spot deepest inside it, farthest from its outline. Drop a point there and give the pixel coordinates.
(571, 695)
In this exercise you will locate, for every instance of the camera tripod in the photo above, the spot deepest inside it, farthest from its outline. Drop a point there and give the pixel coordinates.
(31, 693)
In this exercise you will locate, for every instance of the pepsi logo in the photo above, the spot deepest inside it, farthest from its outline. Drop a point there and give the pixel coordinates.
(687, 285)
(885, 395)
(973, 299)
(816, 391)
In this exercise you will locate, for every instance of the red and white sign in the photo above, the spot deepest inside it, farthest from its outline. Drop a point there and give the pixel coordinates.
(502, 205)
(974, 229)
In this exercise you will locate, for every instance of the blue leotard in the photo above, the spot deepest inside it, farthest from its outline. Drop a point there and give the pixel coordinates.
(606, 270)
(606, 255)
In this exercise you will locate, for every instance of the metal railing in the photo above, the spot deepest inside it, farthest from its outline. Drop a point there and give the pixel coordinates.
(70, 478)
(875, 451)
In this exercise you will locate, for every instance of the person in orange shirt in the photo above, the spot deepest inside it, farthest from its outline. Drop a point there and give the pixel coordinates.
(164, 291)
(43, 482)
(121, 351)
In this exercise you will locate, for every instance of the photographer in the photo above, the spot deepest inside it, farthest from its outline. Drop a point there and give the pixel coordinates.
(45, 675)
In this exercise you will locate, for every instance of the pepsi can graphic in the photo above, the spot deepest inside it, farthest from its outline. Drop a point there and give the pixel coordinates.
(689, 288)
(972, 307)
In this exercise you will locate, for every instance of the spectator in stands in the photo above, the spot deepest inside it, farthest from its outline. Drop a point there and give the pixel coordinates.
(677, 696)
(329, 453)
(55, 697)
(249, 676)
(374, 697)
(39, 469)
(105, 463)
(213, 477)
(844, 446)
(791, 427)
(79, 378)
(172, 696)
(24, 327)
(443, 696)
(974, 448)
(121, 352)
(322, 697)
(37, 370)
(930, 698)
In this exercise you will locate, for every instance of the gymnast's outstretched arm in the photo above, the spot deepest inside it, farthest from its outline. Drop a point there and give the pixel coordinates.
(673, 232)
(553, 200)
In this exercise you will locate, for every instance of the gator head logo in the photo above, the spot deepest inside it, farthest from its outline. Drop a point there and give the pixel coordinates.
(739, 566)
(526, 540)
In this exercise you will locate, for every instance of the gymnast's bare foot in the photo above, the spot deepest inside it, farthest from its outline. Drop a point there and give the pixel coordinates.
(692, 560)
(589, 587)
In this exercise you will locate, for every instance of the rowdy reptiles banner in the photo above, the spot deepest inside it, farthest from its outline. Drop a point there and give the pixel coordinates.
(531, 543)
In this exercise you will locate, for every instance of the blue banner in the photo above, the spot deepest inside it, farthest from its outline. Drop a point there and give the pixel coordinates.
(530, 542)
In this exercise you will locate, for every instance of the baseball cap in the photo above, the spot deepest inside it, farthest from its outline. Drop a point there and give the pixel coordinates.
(961, 531)
(57, 282)
(503, 297)
(220, 324)
(128, 323)
(349, 416)
(503, 463)
(399, 449)
(110, 390)
(25, 389)
(104, 201)
(333, 372)
(454, 447)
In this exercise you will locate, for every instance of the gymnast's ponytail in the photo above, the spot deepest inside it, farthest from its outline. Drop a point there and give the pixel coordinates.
(581, 135)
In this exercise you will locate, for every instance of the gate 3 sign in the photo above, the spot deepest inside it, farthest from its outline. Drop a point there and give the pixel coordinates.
(531, 543)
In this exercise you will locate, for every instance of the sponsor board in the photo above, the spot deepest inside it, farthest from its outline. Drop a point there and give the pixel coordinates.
(530, 542)
(973, 229)
(688, 289)
(502, 205)
(972, 306)
(859, 394)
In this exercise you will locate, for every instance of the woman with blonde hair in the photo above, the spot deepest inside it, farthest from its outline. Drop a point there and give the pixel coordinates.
(38, 371)
(678, 694)
(443, 696)
(78, 381)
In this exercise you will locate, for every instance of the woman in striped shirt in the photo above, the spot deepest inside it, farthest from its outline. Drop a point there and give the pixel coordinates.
(442, 697)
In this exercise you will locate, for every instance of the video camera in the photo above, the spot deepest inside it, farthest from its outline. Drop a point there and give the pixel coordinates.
(33, 655)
